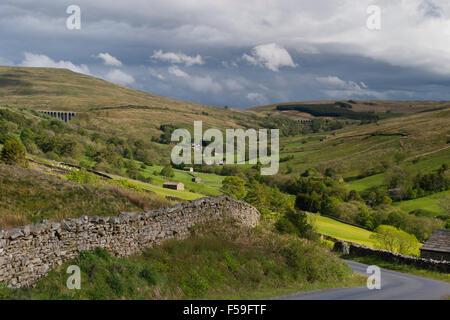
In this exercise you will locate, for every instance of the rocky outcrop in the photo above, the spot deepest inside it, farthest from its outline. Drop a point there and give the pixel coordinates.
(28, 253)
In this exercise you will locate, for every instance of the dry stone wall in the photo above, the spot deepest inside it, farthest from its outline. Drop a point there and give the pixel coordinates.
(355, 249)
(28, 253)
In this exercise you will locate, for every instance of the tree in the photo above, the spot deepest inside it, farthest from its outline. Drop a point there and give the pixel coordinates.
(13, 153)
(234, 187)
(364, 217)
(398, 177)
(133, 171)
(295, 222)
(260, 195)
(309, 202)
(395, 240)
(167, 171)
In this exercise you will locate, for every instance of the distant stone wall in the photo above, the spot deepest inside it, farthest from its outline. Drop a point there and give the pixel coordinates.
(363, 251)
(28, 253)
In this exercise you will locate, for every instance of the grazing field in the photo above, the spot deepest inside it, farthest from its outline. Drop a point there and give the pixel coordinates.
(210, 183)
(426, 163)
(341, 230)
(429, 203)
(184, 195)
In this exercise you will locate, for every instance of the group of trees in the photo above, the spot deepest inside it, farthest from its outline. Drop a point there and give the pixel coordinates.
(408, 186)
(271, 203)
(318, 193)
(165, 137)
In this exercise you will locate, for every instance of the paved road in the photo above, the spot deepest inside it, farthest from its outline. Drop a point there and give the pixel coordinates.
(394, 286)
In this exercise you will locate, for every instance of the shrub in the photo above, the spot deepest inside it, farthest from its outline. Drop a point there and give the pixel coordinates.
(167, 171)
(234, 187)
(13, 153)
(149, 274)
(126, 184)
(295, 222)
(83, 176)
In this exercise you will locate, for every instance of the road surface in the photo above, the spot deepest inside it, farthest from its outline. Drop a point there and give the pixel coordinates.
(394, 286)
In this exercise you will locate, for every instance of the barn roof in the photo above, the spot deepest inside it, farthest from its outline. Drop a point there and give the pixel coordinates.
(439, 241)
(171, 183)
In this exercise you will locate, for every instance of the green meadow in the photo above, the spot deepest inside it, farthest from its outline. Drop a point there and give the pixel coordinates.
(341, 230)
(429, 203)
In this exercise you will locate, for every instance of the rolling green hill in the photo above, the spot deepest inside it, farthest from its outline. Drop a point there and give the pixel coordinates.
(411, 134)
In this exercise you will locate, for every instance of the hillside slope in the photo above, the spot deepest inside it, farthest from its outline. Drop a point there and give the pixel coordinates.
(110, 107)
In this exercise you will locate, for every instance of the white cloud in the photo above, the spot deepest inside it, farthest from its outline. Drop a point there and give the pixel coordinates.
(271, 56)
(156, 74)
(177, 58)
(40, 60)
(257, 98)
(233, 85)
(109, 60)
(119, 77)
(204, 84)
(335, 87)
(178, 72)
(197, 83)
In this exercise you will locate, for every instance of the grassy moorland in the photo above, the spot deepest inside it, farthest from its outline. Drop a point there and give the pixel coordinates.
(28, 196)
(216, 262)
(384, 106)
(108, 107)
(357, 148)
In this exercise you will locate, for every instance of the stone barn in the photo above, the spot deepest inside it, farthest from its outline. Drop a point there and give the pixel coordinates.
(196, 180)
(173, 185)
(437, 247)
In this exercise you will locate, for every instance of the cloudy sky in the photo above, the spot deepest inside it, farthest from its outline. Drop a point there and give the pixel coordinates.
(241, 53)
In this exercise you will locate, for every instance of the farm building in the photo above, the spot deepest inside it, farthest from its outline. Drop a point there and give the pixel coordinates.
(190, 169)
(437, 247)
(173, 185)
(196, 180)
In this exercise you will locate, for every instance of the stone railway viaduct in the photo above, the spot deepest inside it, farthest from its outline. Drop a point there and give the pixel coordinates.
(65, 116)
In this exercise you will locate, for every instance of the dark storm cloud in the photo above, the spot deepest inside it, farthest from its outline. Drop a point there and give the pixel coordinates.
(240, 53)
